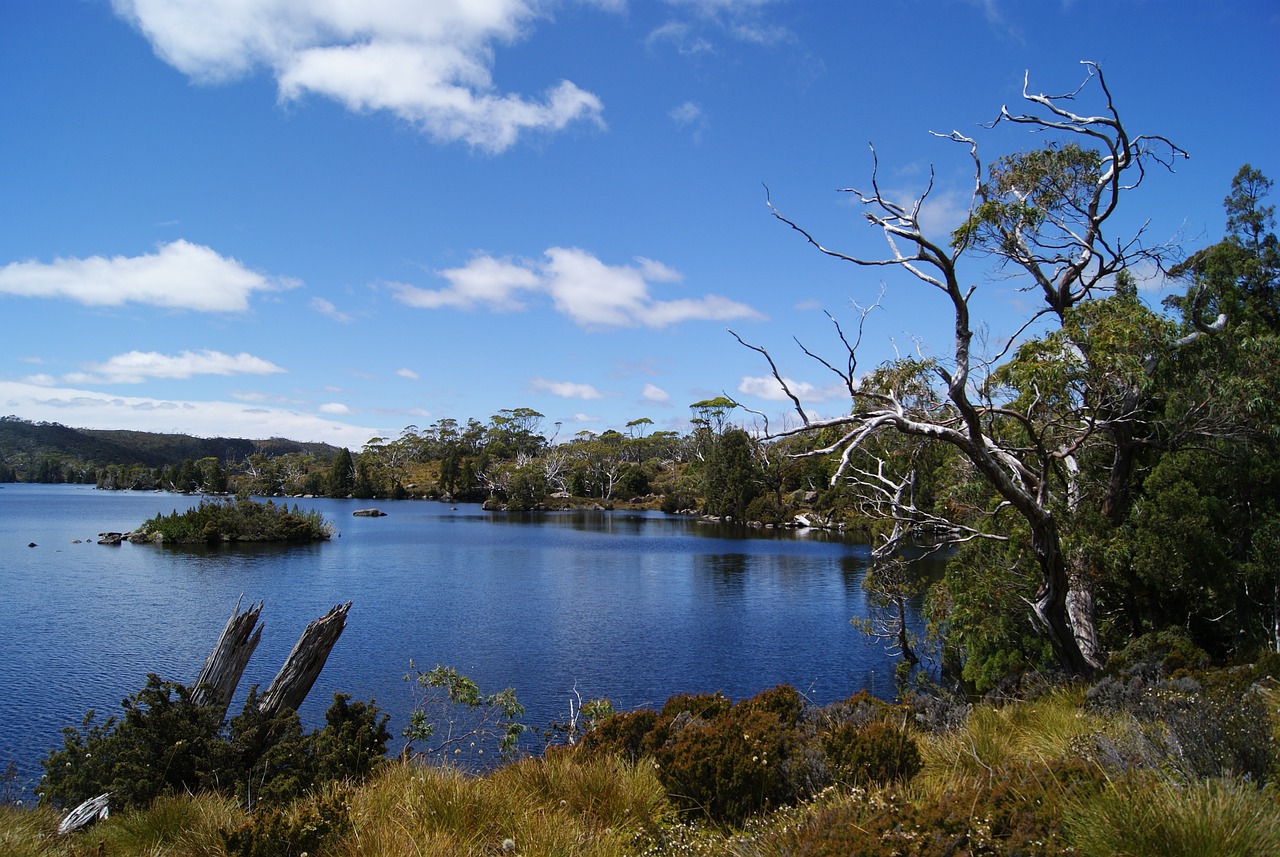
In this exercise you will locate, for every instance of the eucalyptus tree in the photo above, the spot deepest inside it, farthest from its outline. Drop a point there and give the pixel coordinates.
(1044, 216)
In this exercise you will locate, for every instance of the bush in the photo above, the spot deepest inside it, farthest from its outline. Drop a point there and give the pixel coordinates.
(878, 753)
(166, 744)
(300, 829)
(1203, 724)
(767, 510)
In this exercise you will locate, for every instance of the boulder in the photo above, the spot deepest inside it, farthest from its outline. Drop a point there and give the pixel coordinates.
(369, 513)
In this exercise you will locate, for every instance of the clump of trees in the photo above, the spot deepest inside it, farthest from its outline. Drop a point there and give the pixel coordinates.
(1109, 469)
(237, 519)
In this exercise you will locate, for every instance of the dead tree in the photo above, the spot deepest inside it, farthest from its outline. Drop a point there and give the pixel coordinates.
(222, 670)
(1043, 214)
(292, 684)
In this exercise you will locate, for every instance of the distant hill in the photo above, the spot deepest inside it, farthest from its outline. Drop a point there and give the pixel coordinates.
(24, 445)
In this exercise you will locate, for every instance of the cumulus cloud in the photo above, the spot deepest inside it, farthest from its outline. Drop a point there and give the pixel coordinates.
(135, 367)
(86, 409)
(427, 63)
(653, 393)
(493, 284)
(335, 408)
(407, 373)
(180, 275)
(590, 292)
(565, 389)
(767, 388)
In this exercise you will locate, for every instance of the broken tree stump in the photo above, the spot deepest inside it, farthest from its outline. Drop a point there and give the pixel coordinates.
(292, 684)
(222, 670)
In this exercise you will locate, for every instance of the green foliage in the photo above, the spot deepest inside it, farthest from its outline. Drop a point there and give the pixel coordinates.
(167, 744)
(452, 717)
(342, 475)
(879, 753)
(727, 761)
(730, 474)
(1183, 719)
(238, 520)
(980, 611)
(293, 831)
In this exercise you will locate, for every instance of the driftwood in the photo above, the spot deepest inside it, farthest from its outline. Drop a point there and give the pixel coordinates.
(91, 810)
(222, 670)
(292, 684)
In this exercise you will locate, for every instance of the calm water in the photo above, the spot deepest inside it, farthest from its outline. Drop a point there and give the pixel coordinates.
(629, 606)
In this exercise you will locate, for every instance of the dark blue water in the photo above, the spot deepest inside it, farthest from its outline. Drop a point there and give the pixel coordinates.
(629, 606)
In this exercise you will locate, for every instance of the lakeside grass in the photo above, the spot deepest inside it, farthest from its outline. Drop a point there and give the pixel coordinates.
(1014, 778)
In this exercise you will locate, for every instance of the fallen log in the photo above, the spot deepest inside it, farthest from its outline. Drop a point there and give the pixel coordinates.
(222, 670)
(93, 809)
(292, 684)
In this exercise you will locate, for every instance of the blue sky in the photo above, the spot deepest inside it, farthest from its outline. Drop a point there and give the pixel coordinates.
(331, 220)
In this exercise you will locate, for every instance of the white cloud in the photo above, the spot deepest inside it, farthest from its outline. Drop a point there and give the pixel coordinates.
(134, 367)
(767, 388)
(85, 409)
(407, 373)
(590, 292)
(653, 393)
(691, 116)
(740, 20)
(483, 282)
(565, 389)
(427, 63)
(335, 408)
(585, 418)
(180, 275)
(327, 308)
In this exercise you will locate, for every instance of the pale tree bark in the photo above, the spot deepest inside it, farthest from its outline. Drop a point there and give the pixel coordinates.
(1058, 240)
(217, 681)
(300, 670)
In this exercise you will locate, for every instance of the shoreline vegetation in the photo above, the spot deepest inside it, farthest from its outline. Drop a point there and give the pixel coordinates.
(1165, 755)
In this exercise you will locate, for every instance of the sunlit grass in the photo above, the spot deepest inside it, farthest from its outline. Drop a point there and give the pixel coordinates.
(176, 825)
(28, 832)
(995, 737)
(1140, 816)
(557, 805)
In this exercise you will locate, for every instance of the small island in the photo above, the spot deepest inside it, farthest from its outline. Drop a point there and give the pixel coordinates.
(235, 519)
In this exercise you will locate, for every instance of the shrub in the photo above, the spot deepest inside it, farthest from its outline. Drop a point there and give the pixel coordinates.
(166, 744)
(1204, 724)
(163, 744)
(622, 734)
(730, 767)
(879, 753)
(301, 828)
(767, 510)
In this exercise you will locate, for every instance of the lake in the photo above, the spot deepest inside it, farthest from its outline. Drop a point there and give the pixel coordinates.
(632, 606)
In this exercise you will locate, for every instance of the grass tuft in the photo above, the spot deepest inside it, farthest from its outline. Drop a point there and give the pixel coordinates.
(1144, 815)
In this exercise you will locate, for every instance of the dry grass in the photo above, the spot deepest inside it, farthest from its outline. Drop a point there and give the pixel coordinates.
(551, 806)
